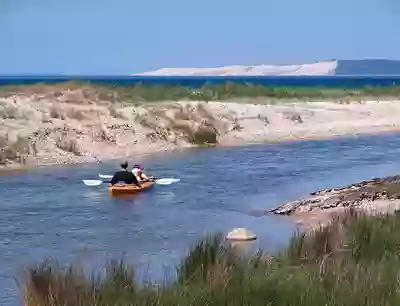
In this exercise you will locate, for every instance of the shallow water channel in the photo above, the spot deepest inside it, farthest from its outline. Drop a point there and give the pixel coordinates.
(50, 213)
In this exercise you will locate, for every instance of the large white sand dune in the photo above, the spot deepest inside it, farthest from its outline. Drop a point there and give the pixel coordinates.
(320, 68)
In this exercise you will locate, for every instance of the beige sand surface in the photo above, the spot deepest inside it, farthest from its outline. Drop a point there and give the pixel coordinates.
(319, 68)
(73, 126)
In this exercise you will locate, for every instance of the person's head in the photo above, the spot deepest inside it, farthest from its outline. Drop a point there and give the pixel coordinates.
(124, 165)
(137, 169)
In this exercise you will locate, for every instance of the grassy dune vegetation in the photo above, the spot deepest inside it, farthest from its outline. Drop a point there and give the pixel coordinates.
(227, 91)
(354, 261)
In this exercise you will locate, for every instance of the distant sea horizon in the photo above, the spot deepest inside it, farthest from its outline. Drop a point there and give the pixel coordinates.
(345, 81)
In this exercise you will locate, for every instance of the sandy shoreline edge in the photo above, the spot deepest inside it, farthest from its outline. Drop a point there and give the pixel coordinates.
(378, 196)
(77, 126)
(92, 160)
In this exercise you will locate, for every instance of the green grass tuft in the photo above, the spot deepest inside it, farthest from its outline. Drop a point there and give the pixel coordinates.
(353, 261)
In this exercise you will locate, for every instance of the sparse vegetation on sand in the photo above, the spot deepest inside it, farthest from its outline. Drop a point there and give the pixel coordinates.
(75, 122)
(352, 261)
(15, 150)
(209, 92)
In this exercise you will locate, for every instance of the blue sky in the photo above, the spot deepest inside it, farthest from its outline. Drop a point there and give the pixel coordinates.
(128, 36)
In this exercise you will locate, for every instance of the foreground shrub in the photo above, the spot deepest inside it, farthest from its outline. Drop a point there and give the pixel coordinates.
(17, 150)
(9, 111)
(353, 261)
(68, 144)
(50, 284)
(204, 135)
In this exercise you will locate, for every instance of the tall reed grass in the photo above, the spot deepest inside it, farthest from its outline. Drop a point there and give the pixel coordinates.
(353, 261)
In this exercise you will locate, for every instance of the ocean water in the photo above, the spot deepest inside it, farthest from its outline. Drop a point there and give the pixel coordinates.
(198, 81)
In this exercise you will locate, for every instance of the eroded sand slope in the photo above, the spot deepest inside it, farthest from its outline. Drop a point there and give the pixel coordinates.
(79, 125)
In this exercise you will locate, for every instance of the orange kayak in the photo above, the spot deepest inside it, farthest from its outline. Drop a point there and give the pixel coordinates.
(118, 189)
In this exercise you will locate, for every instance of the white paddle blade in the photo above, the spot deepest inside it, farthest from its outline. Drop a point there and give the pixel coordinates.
(92, 182)
(106, 176)
(166, 181)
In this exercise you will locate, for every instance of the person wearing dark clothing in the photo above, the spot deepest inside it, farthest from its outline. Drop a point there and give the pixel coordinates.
(124, 176)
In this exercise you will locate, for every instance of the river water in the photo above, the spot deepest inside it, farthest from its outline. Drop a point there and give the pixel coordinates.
(50, 213)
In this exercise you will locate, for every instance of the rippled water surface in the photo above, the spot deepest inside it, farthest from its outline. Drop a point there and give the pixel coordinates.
(48, 212)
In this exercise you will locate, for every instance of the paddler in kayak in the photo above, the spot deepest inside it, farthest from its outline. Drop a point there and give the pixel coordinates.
(124, 176)
(137, 170)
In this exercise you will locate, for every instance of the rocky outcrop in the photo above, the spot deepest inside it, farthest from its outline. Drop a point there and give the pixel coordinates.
(351, 196)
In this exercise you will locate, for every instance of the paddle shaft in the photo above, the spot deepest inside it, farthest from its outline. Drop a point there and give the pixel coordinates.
(159, 181)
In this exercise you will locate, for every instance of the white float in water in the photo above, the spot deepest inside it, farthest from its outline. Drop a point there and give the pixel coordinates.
(241, 234)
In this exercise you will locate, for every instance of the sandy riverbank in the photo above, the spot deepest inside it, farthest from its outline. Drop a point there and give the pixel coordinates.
(81, 125)
(373, 197)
